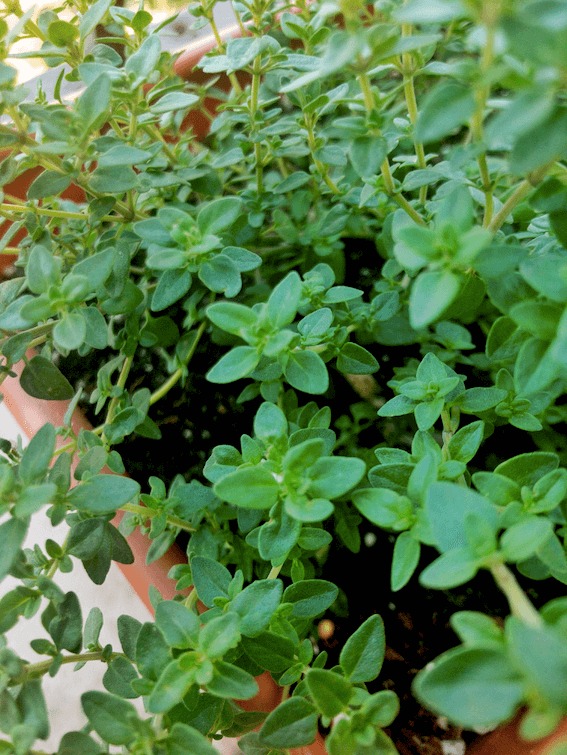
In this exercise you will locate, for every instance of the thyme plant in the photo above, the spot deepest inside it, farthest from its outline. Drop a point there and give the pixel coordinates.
(436, 131)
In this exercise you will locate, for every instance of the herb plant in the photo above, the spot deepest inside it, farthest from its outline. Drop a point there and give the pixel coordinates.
(436, 132)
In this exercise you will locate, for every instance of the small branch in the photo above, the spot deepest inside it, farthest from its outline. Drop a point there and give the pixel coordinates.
(520, 605)
(148, 513)
(35, 670)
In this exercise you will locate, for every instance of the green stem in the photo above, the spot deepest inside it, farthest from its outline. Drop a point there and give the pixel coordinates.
(24, 209)
(148, 513)
(120, 384)
(56, 561)
(275, 570)
(160, 393)
(191, 600)
(520, 605)
(389, 188)
(322, 169)
(256, 70)
(502, 215)
(35, 670)
(177, 374)
(411, 102)
(152, 130)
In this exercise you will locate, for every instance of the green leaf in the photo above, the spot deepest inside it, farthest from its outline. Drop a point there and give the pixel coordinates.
(94, 103)
(367, 153)
(97, 268)
(103, 494)
(178, 624)
(310, 597)
(446, 107)
(466, 442)
(172, 286)
(12, 536)
(333, 476)
(292, 724)
(233, 318)
(141, 64)
(291, 183)
(128, 631)
(270, 651)
(49, 183)
(363, 653)
(354, 359)
(270, 422)
(475, 400)
(219, 635)
(114, 179)
(118, 676)
(239, 362)
(174, 101)
(41, 270)
(210, 578)
(330, 691)
(427, 413)
(93, 626)
(541, 144)
(93, 16)
(152, 652)
(66, 628)
(40, 378)
(113, 719)
(431, 293)
(429, 11)
(232, 682)
(477, 629)
(75, 743)
(62, 33)
(527, 469)
(250, 487)
(306, 371)
(220, 274)
(522, 540)
(70, 331)
(219, 215)
(170, 689)
(37, 456)
(384, 507)
(544, 274)
(184, 740)
(33, 709)
(256, 605)
(451, 569)
(447, 505)
(407, 551)
(283, 302)
(471, 686)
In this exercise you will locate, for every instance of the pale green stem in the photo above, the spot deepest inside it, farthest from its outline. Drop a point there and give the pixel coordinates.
(162, 390)
(35, 670)
(120, 384)
(411, 102)
(510, 205)
(24, 209)
(56, 561)
(520, 605)
(191, 600)
(364, 83)
(148, 513)
(275, 570)
(256, 70)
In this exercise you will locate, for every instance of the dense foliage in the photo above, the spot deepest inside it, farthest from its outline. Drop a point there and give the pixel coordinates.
(437, 131)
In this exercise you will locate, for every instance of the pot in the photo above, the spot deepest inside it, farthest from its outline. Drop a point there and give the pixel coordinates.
(31, 414)
(506, 741)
